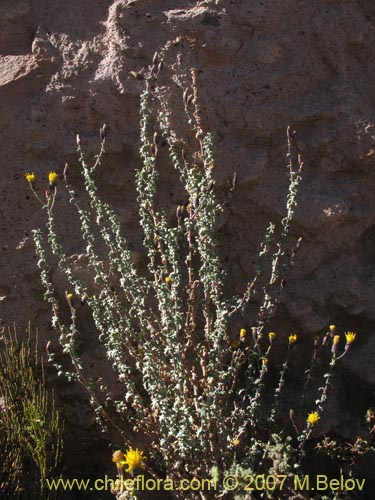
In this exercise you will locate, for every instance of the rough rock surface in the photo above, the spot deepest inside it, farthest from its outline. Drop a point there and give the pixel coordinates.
(262, 65)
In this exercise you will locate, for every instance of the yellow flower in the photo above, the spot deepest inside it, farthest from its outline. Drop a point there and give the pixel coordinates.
(292, 338)
(52, 178)
(264, 361)
(168, 279)
(30, 177)
(118, 459)
(332, 328)
(236, 442)
(134, 459)
(117, 456)
(272, 336)
(312, 418)
(350, 337)
(242, 333)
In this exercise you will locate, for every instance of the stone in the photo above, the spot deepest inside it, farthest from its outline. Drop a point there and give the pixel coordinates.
(66, 68)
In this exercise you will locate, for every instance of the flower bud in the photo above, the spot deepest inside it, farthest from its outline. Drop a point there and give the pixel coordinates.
(272, 336)
(336, 340)
(243, 333)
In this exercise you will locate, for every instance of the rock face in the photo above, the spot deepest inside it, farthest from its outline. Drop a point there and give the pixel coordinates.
(262, 65)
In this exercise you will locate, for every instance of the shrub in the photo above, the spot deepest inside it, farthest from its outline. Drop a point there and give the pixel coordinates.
(192, 385)
(30, 426)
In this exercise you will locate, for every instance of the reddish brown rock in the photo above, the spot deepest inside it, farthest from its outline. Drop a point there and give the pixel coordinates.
(262, 65)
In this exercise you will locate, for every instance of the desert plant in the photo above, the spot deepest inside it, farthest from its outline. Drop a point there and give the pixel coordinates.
(191, 384)
(30, 426)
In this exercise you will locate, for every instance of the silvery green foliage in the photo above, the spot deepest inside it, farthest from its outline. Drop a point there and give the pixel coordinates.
(166, 331)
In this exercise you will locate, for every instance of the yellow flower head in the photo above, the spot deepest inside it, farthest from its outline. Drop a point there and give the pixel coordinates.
(243, 333)
(332, 328)
(272, 336)
(30, 177)
(312, 418)
(168, 279)
(292, 338)
(118, 459)
(52, 178)
(350, 337)
(236, 442)
(117, 456)
(134, 459)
